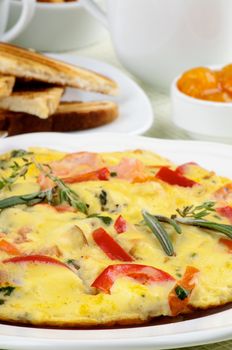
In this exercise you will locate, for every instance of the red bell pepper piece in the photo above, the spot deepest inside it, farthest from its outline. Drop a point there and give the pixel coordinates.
(120, 224)
(174, 178)
(42, 259)
(109, 246)
(141, 273)
(188, 282)
(226, 212)
(9, 247)
(226, 242)
(102, 174)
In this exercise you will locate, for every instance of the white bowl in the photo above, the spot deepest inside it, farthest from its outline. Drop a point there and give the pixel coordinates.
(57, 27)
(203, 120)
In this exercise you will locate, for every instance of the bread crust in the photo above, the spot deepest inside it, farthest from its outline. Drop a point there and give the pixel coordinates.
(27, 64)
(70, 116)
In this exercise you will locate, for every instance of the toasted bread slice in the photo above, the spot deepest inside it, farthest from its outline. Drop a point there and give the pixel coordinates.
(6, 85)
(51, 1)
(26, 64)
(70, 116)
(40, 103)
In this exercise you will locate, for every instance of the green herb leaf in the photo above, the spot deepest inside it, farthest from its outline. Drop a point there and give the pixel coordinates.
(103, 198)
(181, 292)
(105, 219)
(113, 174)
(6, 291)
(155, 226)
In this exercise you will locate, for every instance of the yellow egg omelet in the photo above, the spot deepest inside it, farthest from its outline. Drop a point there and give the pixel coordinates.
(113, 238)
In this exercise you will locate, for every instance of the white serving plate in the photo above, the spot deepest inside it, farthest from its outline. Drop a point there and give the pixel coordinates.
(208, 329)
(135, 111)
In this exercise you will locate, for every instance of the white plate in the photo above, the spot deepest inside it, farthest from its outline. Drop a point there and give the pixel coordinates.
(213, 328)
(135, 111)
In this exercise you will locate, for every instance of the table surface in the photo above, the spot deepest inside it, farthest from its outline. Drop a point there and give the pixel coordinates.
(161, 128)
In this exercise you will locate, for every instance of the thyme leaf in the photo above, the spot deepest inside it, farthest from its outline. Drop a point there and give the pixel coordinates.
(17, 172)
(197, 212)
(65, 193)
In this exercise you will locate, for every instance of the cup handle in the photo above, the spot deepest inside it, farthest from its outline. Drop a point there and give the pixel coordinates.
(25, 17)
(96, 11)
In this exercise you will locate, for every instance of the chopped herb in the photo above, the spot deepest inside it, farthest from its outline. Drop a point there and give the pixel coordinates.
(19, 153)
(7, 290)
(193, 255)
(74, 263)
(103, 197)
(105, 219)
(181, 292)
(178, 275)
(113, 174)
(2, 301)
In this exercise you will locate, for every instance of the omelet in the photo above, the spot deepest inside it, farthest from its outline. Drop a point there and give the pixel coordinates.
(116, 238)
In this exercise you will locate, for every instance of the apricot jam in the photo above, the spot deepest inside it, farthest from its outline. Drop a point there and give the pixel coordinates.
(207, 84)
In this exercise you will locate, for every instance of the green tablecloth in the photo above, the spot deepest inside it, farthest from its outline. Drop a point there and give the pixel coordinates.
(227, 345)
(162, 126)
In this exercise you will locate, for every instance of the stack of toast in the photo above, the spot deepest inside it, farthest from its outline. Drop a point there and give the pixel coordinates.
(31, 87)
(55, 1)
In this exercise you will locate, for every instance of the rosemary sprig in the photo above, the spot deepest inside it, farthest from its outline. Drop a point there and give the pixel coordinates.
(65, 193)
(157, 228)
(17, 172)
(197, 212)
(190, 215)
(28, 199)
(210, 225)
(170, 221)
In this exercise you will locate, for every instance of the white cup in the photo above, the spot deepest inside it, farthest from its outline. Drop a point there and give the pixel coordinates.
(57, 27)
(158, 39)
(24, 19)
